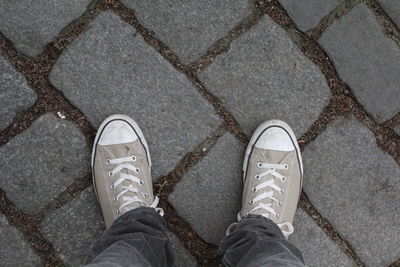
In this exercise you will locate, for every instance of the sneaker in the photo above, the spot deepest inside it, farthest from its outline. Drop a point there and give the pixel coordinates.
(273, 175)
(121, 168)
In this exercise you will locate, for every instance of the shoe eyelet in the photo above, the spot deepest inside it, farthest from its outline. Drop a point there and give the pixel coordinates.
(254, 189)
(257, 177)
(112, 187)
(118, 211)
(277, 215)
(111, 174)
(137, 170)
(282, 191)
(108, 162)
(259, 165)
(141, 182)
(284, 179)
(146, 195)
(251, 202)
(134, 158)
(280, 203)
(286, 166)
(115, 199)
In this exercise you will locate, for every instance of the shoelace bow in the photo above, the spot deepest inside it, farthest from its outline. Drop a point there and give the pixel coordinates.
(271, 169)
(123, 163)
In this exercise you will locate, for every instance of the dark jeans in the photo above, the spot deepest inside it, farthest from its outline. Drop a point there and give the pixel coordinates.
(138, 238)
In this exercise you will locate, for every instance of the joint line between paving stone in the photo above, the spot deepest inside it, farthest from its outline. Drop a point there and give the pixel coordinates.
(390, 28)
(328, 228)
(341, 10)
(29, 227)
(338, 87)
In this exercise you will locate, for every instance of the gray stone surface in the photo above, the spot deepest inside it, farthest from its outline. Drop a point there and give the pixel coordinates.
(125, 75)
(392, 8)
(317, 248)
(367, 60)
(190, 27)
(73, 227)
(14, 250)
(356, 186)
(15, 93)
(183, 258)
(397, 130)
(209, 195)
(265, 76)
(30, 25)
(308, 13)
(41, 162)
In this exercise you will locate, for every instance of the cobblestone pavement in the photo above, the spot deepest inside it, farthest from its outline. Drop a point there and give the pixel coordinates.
(199, 76)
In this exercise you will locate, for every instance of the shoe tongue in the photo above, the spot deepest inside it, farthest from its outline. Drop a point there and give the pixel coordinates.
(274, 156)
(119, 150)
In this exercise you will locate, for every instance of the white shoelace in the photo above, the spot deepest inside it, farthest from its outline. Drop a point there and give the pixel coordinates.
(123, 163)
(271, 169)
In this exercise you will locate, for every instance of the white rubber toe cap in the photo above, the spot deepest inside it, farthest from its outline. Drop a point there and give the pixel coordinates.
(275, 138)
(117, 132)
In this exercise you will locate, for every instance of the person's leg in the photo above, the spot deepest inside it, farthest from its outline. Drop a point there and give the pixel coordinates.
(257, 241)
(137, 238)
(273, 174)
(121, 167)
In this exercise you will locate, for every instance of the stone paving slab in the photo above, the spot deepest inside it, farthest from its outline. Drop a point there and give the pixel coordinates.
(356, 186)
(209, 195)
(308, 13)
(12, 86)
(74, 227)
(317, 248)
(30, 25)
(41, 162)
(367, 60)
(123, 74)
(190, 27)
(14, 250)
(265, 76)
(392, 8)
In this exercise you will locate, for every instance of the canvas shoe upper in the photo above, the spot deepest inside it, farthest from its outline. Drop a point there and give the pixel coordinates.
(121, 168)
(272, 173)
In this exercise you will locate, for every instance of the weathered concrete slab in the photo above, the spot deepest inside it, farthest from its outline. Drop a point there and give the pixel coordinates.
(317, 248)
(14, 250)
(125, 75)
(216, 180)
(15, 93)
(265, 76)
(41, 162)
(308, 13)
(356, 186)
(190, 27)
(31, 25)
(367, 60)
